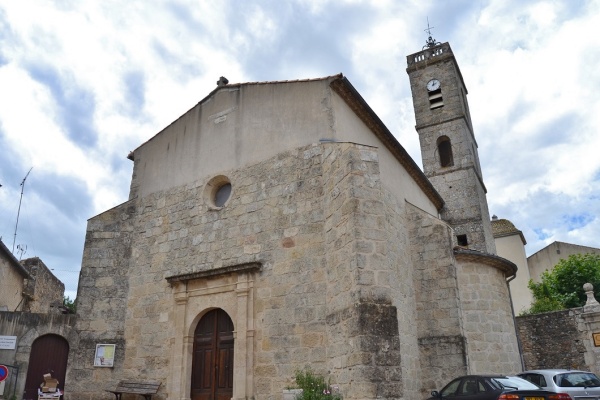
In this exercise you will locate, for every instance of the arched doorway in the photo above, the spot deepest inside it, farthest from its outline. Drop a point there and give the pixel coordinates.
(49, 354)
(212, 366)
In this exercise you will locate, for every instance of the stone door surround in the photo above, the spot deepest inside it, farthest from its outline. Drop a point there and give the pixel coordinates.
(229, 288)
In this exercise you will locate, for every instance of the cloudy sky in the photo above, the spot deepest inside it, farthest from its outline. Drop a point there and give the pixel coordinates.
(83, 82)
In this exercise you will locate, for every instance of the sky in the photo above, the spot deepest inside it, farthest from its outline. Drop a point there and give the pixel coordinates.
(84, 82)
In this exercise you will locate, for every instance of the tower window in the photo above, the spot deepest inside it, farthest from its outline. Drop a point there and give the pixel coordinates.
(462, 240)
(435, 99)
(445, 152)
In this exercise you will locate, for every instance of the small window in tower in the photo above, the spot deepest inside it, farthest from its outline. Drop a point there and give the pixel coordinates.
(462, 240)
(445, 152)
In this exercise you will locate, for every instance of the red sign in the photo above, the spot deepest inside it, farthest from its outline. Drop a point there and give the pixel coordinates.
(3, 373)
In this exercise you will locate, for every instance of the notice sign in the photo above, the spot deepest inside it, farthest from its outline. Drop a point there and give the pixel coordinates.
(8, 342)
(105, 355)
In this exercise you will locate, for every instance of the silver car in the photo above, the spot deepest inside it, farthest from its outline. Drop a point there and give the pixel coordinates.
(580, 385)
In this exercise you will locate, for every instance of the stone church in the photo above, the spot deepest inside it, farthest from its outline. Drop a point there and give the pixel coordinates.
(280, 225)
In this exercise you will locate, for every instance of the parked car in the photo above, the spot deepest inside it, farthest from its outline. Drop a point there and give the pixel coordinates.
(494, 387)
(578, 384)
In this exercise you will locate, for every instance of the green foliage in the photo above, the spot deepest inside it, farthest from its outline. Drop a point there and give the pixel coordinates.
(562, 287)
(314, 387)
(69, 304)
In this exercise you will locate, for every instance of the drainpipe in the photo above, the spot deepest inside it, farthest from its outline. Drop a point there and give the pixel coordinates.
(512, 310)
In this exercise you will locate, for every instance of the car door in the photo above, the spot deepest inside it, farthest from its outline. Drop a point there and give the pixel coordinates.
(470, 388)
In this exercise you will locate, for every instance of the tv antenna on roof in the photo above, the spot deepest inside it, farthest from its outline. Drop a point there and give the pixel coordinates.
(430, 41)
(19, 211)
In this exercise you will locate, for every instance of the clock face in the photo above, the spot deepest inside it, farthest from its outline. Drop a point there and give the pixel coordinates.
(433, 84)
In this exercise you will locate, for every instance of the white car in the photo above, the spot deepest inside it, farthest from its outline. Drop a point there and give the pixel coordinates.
(580, 385)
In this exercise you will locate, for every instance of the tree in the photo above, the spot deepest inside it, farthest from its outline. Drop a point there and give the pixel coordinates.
(562, 286)
(69, 304)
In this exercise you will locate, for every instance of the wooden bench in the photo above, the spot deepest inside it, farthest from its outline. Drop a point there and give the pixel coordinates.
(146, 389)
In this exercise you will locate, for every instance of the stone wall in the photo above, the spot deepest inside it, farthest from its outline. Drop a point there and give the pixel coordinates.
(27, 327)
(47, 290)
(101, 302)
(334, 290)
(362, 321)
(440, 340)
(553, 340)
(486, 313)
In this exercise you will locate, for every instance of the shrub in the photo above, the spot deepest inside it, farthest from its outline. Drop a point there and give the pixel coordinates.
(314, 386)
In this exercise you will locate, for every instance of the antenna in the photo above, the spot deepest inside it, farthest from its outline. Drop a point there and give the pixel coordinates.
(22, 249)
(19, 211)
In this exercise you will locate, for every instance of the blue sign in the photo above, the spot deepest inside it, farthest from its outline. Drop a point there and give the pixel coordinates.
(3, 373)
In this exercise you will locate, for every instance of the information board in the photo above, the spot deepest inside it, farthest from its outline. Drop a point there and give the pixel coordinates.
(8, 342)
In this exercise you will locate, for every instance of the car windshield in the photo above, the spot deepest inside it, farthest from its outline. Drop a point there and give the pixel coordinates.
(577, 379)
(515, 383)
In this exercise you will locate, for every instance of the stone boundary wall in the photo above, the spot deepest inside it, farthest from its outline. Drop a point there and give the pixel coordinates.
(46, 290)
(553, 340)
(27, 327)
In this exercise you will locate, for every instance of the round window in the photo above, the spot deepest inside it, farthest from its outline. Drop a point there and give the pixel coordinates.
(218, 192)
(222, 194)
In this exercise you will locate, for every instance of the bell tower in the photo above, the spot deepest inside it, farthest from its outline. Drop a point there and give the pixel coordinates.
(448, 145)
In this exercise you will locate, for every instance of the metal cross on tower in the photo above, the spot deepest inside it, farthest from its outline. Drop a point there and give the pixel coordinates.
(430, 41)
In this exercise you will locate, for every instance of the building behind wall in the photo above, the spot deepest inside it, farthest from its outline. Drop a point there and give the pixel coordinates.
(548, 257)
(13, 279)
(510, 244)
(280, 225)
(32, 324)
(28, 285)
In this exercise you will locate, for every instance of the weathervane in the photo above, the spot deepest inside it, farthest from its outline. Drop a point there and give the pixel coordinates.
(430, 41)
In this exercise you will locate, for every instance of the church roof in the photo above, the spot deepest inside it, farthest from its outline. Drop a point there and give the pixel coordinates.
(503, 227)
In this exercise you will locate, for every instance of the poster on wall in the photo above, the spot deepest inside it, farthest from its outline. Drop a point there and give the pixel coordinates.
(105, 355)
(8, 342)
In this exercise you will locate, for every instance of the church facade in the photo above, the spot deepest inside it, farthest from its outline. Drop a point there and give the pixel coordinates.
(280, 225)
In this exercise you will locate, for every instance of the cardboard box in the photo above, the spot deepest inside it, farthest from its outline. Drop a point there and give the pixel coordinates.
(49, 385)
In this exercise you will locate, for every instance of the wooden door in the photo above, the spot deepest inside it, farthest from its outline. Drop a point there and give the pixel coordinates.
(212, 366)
(49, 354)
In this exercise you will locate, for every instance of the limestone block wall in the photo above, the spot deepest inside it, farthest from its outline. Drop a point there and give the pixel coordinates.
(275, 218)
(333, 291)
(101, 303)
(46, 289)
(401, 278)
(441, 342)
(460, 185)
(554, 340)
(364, 282)
(488, 323)
(27, 327)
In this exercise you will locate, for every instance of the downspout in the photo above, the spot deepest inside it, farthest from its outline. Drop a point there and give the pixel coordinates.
(512, 310)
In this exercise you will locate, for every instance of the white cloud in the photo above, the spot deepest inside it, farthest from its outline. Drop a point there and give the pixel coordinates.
(530, 68)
